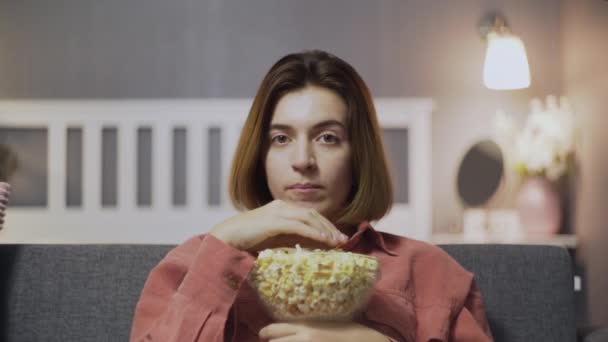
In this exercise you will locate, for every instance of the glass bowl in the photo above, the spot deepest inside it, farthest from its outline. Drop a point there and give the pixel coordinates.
(296, 284)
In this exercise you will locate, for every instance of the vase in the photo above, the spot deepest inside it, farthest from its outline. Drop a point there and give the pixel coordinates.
(539, 206)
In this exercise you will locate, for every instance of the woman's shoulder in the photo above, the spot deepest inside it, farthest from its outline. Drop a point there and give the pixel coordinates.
(407, 245)
(429, 268)
(418, 251)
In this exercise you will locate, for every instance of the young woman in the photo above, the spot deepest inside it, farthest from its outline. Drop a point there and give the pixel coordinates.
(309, 168)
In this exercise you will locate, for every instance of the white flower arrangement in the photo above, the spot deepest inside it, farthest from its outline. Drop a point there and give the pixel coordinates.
(545, 145)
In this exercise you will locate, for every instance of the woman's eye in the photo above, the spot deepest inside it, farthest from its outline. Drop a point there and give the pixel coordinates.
(280, 139)
(329, 138)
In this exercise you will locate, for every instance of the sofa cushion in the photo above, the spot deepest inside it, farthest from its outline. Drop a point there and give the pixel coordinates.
(89, 292)
(72, 292)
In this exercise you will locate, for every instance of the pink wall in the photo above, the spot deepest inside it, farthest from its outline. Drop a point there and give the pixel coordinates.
(585, 70)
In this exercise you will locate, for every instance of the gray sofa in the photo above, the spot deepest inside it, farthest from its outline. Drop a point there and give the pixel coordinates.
(88, 292)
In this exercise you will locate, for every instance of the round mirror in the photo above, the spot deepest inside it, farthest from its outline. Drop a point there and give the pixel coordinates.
(480, 173)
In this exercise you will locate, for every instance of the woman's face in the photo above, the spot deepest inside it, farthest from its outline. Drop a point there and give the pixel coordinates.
(309, 145)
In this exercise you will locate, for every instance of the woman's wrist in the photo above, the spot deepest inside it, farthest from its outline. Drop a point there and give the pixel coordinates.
(223, 232)
(218, 232)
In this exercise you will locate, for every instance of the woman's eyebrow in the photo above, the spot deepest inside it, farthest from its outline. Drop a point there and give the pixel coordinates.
(318, 125)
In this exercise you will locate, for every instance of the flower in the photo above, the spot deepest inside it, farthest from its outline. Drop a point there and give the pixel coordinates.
(545, 146)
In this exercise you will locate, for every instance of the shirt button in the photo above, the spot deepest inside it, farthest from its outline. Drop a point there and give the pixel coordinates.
(233, 282)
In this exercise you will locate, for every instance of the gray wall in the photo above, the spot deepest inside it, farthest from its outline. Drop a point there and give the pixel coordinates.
(222, 48)
(585, 47)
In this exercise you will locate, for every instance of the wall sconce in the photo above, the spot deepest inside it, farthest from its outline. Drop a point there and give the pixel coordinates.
(506, 64)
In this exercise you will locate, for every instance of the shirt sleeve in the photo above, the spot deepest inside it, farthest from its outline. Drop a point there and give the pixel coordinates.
(188, 295)
(471, 323)
(449, 304)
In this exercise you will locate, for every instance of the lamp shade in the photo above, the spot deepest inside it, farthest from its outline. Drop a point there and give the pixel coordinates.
(506, 64)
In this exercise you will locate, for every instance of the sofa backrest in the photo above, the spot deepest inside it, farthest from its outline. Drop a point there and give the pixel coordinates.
(89, 292)
(72, 292)
(528, 291)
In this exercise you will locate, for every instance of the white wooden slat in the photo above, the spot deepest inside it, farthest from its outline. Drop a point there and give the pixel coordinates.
(421, 175)
(230, 134)
(56, 159)
(91, 165)
(412, 219)
(127, 166)
(162, 143)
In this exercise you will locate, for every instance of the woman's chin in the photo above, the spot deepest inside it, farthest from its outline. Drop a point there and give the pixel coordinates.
(320, 206)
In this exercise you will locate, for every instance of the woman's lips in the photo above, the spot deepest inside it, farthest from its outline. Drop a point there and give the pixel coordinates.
(303, 186)
(305, 192)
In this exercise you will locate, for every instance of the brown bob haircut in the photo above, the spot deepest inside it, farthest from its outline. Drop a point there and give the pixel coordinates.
(371, 196)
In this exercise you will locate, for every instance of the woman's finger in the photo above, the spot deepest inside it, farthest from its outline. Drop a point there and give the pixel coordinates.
(291, 338)
(289, 226)
(341, 237)
(312, 217)
(300, 215)
(277, 330)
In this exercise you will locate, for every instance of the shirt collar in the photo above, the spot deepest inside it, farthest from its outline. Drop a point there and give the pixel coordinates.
(366, 234)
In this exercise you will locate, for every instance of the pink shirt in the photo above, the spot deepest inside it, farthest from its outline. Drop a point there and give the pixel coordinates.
(199, 292)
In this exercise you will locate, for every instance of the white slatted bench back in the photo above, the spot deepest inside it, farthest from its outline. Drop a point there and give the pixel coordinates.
(163, 222)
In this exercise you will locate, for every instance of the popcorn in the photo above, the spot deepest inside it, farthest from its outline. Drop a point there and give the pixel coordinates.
(306, 284)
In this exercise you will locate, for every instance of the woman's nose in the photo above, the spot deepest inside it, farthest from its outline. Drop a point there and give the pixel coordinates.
(303, 158)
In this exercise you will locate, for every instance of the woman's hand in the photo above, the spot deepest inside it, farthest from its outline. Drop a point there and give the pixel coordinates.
(5, 192)
(251, 229)
(320, 332)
